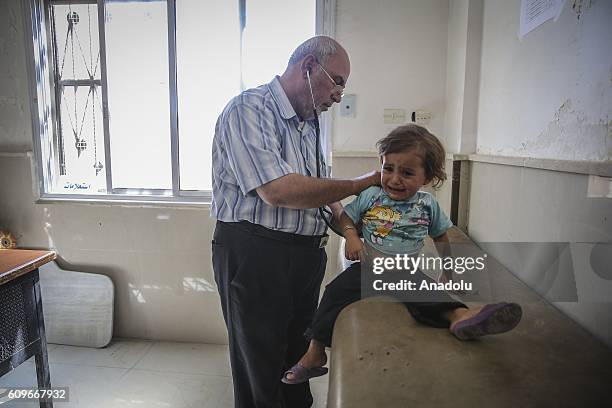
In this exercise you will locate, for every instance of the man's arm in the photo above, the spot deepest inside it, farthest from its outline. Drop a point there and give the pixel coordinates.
(300, 192)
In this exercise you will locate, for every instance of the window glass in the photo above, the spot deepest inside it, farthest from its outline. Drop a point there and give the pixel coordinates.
(273, 29)
(210, 71)
(216, 58)
(208, 75)
(138, 94)
(80, 133)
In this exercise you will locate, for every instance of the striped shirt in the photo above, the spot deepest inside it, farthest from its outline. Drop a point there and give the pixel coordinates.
(259, 138)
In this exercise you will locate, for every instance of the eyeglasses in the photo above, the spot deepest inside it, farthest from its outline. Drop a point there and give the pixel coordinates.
(336, 84)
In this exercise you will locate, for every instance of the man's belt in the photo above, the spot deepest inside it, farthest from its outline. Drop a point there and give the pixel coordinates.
(312, 241)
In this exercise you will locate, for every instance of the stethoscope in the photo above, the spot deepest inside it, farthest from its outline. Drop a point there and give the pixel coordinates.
(322, 210)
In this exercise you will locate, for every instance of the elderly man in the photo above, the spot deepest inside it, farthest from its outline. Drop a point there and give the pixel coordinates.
(268, 254)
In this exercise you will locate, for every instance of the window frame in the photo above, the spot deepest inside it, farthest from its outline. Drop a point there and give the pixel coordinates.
(45, 119)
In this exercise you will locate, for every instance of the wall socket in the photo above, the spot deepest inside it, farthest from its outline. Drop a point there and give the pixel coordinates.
(421, 117)
(599, 187)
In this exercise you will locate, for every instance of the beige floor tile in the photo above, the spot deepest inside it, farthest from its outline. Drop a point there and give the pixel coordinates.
(118, 354)
(188, 358)
(134, 373)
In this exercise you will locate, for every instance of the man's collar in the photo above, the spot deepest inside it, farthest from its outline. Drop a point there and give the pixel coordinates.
(279, 95)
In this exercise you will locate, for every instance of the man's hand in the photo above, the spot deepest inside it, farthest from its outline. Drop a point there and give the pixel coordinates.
(367, 180)
(298, 191)
(353, 247)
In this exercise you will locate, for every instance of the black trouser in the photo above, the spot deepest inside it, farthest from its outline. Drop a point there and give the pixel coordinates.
(269, 284)
(346, 289)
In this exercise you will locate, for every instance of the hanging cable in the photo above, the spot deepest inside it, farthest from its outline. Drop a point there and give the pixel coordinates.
(322, 210)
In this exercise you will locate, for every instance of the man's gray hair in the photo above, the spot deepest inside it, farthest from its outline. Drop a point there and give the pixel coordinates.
(322, 47)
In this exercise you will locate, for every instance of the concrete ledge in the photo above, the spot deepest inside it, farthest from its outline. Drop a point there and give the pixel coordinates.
(354, 153)
(595, 168)
(382, 358)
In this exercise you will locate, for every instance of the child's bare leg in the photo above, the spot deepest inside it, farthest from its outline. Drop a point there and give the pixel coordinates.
(454, 316)
(315, 356)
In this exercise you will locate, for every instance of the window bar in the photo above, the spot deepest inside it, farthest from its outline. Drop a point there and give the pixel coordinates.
(174, 131)
(242, 17)
(325, 25)
(79, 82)
(58, 89)
(49, 132)
(71, 2)
(174, 118)
(105, 113)
(34, 23)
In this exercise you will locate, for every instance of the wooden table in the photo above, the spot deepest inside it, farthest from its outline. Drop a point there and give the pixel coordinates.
(22, 326)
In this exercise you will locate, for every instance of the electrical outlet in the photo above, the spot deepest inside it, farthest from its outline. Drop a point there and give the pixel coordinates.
(421, 117)
(599, 187)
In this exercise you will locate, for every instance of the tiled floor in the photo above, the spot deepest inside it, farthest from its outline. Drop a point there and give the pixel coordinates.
(131, 373)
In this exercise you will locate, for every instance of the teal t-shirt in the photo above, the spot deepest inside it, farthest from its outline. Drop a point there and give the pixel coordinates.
(397, 227)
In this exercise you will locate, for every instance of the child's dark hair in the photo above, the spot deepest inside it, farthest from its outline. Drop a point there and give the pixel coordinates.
(424, 144)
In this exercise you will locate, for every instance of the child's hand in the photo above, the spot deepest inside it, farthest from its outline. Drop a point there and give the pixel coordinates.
(353, 247)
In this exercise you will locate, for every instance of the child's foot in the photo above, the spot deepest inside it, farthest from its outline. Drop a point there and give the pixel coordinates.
(310, 365)
(300, 374)
(489, 319)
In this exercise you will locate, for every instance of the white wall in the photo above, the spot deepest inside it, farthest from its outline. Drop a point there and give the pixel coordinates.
(15, 122)
(548, 95)
(463, 74)
(159, 259)
(455, 73)
(398, 60)
(510, 205)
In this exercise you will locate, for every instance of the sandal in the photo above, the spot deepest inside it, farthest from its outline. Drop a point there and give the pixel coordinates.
(302, 374)
(492, 319)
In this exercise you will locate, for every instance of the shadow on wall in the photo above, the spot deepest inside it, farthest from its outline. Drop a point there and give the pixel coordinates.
(559, 271)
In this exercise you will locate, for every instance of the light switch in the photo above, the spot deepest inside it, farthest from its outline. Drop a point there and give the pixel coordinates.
(348, 106)
(394, 116)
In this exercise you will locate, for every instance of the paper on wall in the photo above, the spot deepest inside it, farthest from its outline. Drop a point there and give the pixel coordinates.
(536, 12)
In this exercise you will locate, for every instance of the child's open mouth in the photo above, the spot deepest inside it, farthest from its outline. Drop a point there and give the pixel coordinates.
(396, 190)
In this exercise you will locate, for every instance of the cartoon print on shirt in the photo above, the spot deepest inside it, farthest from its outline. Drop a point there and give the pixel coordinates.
(419, 205)
(418, 216)
(383, 218)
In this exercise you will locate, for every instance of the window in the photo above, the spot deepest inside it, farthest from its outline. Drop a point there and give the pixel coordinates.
(127, 92)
